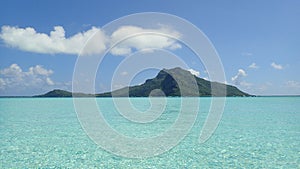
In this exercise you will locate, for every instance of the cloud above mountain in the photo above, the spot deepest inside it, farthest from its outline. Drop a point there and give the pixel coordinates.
(128, 38)
(123, 41)
(194, 72)
(238, 77)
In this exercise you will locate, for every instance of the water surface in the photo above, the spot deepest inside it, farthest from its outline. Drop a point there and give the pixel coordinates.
(259, 132)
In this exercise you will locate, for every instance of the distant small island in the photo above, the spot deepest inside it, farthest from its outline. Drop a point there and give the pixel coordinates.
(165, 82)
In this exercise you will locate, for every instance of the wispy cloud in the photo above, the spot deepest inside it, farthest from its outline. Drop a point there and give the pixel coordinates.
(124, 73)
(292, 84)
(28, 39)
(264, 87)
(247, 54)
(246, 84)
(276, 66)
(253, 66)
(237, 78)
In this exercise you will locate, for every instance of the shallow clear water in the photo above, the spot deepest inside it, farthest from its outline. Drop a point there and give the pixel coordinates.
(259, 132)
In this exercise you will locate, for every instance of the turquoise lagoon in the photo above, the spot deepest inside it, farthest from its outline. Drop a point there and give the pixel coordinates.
(254, 132)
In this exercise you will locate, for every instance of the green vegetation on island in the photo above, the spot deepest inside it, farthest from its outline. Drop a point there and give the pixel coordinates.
(63, 93)
(164, 84)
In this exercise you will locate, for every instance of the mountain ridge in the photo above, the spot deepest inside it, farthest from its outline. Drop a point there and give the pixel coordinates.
(175, 82)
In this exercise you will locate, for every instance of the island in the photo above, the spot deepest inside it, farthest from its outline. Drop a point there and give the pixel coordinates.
(164, 84)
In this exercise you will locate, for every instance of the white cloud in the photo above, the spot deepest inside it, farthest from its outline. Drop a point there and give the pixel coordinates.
(28, 39)
(253, 66)
(194, 72)
(276, 66)
(13, 70)
(49, 81)
(39, 70)
(13, 77)
(140, 39)
(2, 84)
(206, 78)
(237, 78)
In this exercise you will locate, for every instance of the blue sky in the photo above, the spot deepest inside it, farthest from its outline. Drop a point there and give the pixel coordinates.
(257, 41)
